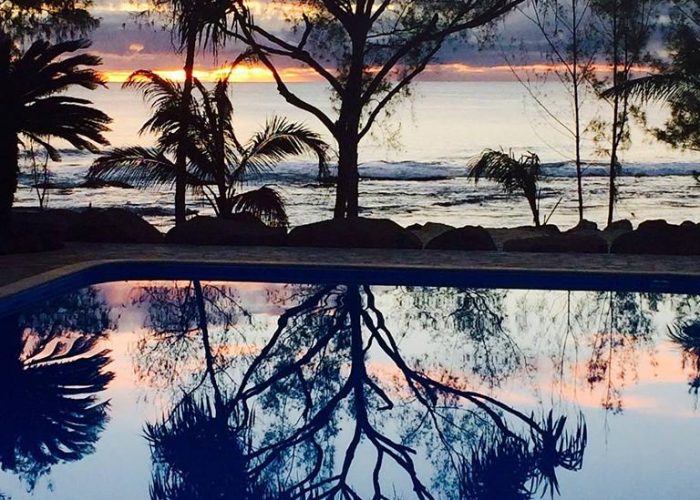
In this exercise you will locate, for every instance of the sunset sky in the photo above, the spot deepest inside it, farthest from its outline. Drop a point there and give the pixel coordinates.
(125, 46)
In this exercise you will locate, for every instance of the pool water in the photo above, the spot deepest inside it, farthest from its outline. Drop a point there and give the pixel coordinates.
(217, 390)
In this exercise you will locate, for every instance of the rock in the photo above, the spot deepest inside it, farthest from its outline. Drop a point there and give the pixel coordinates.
(654, 225)
(353, 233)
(56, 224)
(112, 225)
(623, 226)
(550, 229)
(236, 230)
(429, 231)
(584, 225)
(564, 243)
(659, 238)
(99, 183)
(467, 238)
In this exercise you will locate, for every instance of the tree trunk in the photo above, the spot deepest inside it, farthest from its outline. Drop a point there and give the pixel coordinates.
(181, 153)
(347, 202)
(577, 107)
(8, 144)
(9, 170)
(535, 211)
(616, 132)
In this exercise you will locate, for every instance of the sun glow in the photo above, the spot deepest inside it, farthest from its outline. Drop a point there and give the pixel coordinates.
(260, 74)
(241, 74)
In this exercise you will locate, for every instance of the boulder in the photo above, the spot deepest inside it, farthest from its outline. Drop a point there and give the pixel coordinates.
(564, 243)
(550, 229)
(236, 230)
(112, 225)
(467, 238)
(584, 225)
(55, 224)
(620, 226)
(429, 231)
(659, 238)
(99, 184)
(353, 233)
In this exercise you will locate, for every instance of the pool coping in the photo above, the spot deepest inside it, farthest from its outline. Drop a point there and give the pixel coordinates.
(374, 267)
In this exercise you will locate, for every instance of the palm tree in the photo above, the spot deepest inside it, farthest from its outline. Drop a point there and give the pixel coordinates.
(514, 175)
(678, 84)
(33, 109)
(218, 163)
(195, 22)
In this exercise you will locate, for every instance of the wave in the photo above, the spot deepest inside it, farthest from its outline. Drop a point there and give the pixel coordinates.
(646, 169)
(417, 171)
(306, 172)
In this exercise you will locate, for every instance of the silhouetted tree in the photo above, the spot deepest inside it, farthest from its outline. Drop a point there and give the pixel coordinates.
(193, 23)
(624, 28)
(218, 164)
(570, 49)
(369, 53)
(514, 175)
(33, 108)
(53, 19)
(678, 83)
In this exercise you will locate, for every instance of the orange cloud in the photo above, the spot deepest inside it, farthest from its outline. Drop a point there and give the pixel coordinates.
(248, 73)
(260, 74)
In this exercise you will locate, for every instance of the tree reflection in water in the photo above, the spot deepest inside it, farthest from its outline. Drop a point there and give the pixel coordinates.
(50, 378)
(330, 406)
(626, 326)
(686, 334)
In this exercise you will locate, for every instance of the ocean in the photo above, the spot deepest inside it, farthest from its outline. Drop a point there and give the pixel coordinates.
(414, 165)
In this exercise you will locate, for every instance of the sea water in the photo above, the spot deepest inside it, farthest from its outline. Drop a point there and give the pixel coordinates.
(414, 164)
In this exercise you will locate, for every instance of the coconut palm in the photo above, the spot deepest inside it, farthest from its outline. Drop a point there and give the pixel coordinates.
(218, 163)
(514, 175)
(33, 109)
(678, 84)
(194, 23)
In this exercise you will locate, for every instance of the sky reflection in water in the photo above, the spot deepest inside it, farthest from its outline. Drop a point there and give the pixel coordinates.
(195, 390)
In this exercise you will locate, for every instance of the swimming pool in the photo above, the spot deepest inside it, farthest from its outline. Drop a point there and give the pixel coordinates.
(252, 388)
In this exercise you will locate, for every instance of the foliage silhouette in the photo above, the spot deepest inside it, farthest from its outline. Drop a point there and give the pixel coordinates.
(314, 393)
(33, 108)
(50, 376)
(514, 175)
(678, 83)
(369, 53)
(687, 336)
(283, 416)
(218, 164)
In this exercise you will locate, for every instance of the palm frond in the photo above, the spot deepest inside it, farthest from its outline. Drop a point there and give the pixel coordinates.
(686, 335)
(36, 77)
(264, 203)
(664, 87)
(497, 166)
(137, 166)
(280, 140)
(164, 96)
